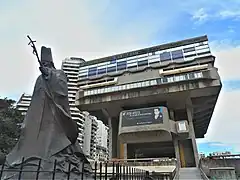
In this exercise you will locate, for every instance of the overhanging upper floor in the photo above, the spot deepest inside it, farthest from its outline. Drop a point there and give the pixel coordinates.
(199, 89)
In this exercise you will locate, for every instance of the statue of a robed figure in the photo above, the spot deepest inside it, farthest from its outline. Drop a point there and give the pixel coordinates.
(48, 132)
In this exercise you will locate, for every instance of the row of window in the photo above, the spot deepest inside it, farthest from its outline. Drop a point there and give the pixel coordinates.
(147, 83)
(146, 60)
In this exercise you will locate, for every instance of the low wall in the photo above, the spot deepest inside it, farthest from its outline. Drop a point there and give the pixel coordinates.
(208, 163)
(223, 173)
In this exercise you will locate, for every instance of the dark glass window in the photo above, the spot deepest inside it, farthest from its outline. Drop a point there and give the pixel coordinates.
(159, 81)
(143, 63)
(190, 55)
(191, 76)
(189, 49)
(177, 54)
(113, 61)
(102, 71)
(92, 71)
(82, 76)
(132, 66)
(165, 80)
(165, 56)
(111, 69)
(121, 65)
(202, 53)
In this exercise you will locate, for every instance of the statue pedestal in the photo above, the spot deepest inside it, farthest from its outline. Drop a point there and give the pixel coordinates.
(31, 171)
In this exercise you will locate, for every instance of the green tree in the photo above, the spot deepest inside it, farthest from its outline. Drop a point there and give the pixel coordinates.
(10, 124)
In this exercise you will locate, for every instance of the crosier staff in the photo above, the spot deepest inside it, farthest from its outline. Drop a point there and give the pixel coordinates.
(41, 68)
(31, 43)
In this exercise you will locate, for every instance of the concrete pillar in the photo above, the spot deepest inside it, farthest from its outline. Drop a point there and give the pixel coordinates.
(175, 141)
(125, 151)
(122, 150)
(110, 137)
(192, 134)
(176, 149)
(115, 141)
(171, 113)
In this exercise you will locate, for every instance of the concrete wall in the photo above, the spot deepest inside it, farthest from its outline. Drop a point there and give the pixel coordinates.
(213, 163)
(223, 173)
(148, 133)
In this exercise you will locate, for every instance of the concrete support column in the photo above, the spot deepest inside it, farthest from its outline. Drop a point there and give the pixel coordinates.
(175, 141)
(122, 150)
(115, 141)
(110, 137)
(125, 151)
(192, 134)
(171, 113)
(176, 149)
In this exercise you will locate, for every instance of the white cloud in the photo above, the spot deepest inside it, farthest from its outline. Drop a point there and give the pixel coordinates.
(205, 10)
(224, 126)
(70, 28)
(218, 144)
(231, 13)
(74, 28)
(227, 61)
(200, 16)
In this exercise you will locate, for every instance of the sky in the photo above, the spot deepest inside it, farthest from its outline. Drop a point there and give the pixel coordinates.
(97, 28)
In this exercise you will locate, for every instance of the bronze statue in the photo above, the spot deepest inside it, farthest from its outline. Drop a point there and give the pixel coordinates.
(48, 132)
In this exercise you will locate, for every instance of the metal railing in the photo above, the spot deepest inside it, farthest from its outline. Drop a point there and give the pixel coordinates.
(101, 171)
(148, 161)
(203, 174)
(221, 161)
(176, 173)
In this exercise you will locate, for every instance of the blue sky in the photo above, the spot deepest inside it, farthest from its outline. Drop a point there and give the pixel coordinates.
(90, 29)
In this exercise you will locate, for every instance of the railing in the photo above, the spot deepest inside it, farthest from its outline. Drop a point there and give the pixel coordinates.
(176, 174)
(162, 176)
(203, 174)
(221, 161)
(101, 171)
(145, 83)
(147, 163)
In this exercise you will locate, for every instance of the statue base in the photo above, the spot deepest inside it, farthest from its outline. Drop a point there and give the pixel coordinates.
(66, 164)
(30, 171)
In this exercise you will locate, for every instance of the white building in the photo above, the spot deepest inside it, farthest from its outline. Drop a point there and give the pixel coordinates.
(24, 103)
(102, 150)
(71, 67)
(221, 153)
(90, 131)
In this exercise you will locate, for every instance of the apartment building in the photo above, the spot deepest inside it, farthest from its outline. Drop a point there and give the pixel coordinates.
(24, 103)
(90, 130)
(102, 147)
(71, 67)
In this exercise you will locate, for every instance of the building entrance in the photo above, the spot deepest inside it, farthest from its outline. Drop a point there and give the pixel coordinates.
(150, 150)
(186, 153)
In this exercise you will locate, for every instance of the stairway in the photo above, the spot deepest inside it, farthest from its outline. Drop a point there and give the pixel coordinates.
(189, 173)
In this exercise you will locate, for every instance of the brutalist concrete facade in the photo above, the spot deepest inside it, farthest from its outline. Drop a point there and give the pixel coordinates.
(179, 77)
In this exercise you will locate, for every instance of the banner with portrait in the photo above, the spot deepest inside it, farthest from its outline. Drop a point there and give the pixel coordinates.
(145, 116)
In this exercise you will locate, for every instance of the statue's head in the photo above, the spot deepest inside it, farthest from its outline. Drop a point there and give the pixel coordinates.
(46, 57)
